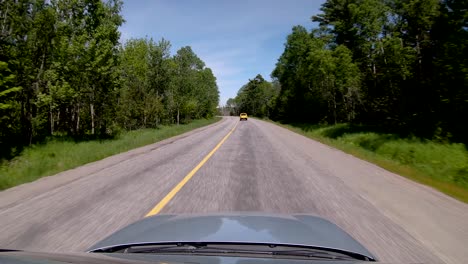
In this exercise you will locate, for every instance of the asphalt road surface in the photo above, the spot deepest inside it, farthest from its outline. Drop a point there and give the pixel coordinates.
(259, 167)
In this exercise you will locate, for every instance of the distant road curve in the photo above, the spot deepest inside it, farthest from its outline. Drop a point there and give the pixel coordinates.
(258, 167)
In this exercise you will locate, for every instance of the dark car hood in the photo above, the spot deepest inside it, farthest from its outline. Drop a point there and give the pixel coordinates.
(301, 229)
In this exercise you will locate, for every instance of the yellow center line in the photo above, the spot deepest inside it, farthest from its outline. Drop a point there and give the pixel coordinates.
(181, 184)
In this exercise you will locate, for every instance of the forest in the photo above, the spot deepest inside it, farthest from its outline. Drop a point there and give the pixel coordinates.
(400, 66)
(64, 73)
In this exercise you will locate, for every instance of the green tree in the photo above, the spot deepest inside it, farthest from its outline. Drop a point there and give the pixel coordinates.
(295, 100)
(451, 68)
(9, 109)
(64, 72)
(187, 64)
(207, 94)
(140, 105)
(399, 64)
(255, 98)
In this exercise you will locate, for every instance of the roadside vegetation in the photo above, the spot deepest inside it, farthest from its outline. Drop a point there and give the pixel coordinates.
(64, 72)
(441, 165)
(59, 154)
(71, 93)
(383, 80)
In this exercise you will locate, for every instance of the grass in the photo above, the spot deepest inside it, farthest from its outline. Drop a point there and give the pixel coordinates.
(442, 166)
(58, 155)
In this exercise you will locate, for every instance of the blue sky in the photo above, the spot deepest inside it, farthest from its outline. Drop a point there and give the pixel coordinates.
(237, 39)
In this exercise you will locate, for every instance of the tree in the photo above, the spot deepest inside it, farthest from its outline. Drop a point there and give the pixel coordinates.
(184, 89)
(9, 110)
(255, 98)
(206, 94)
(319, 80)
(295, 101)
(64, 72)
(451, 68)
(232, 107)
(140, 105)
(399, 64)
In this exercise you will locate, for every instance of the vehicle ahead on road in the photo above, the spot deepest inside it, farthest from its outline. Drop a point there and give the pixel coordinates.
(243, 116)
(229, 238)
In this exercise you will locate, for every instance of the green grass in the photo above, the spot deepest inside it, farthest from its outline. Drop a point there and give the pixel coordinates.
(442, 166)
(58, 155)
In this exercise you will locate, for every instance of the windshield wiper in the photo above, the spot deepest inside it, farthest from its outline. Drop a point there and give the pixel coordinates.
(313, 253)
(188, 249)
(160, 248)
(271, 250)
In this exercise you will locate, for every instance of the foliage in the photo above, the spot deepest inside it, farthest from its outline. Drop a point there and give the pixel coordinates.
(319, 81)
(63, 71)
(255, 98)
(59, 154)
(398, 64)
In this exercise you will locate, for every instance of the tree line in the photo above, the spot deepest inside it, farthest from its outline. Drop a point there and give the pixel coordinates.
(64, 72)
(401, 65)
(256, 98)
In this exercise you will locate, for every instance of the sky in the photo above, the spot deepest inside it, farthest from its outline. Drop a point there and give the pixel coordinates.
(237, 39)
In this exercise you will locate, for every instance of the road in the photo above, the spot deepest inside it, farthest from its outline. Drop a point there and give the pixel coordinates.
(259, 167)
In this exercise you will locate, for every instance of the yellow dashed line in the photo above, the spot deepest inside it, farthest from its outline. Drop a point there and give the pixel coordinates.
(181, 184)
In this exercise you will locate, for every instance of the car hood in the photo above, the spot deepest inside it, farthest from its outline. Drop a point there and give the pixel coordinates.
(300, 229)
